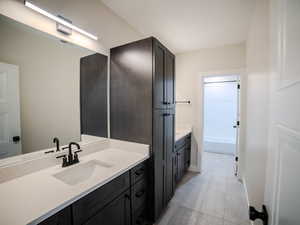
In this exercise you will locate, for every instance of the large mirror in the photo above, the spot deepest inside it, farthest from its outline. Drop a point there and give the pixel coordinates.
(39, 89)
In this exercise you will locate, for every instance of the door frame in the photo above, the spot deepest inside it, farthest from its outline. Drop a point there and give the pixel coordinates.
(240, 148)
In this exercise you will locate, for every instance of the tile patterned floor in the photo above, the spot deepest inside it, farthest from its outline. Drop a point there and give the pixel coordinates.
(214, 197)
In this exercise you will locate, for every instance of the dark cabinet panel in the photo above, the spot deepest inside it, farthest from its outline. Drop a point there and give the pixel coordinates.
(61, 218)
(169, 120)
(93, 95)
(159, 76)
(163, 147)
(158, 156)
(182, 156)
(170, 79)
(175, 168)
(139, 172)
(116, 212)
(141, 109)
(139, 195)
(89, 205)
(131, 92)
(180, 163)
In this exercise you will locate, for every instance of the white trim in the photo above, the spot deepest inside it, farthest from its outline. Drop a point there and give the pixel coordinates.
(247, 196)
(241, 75)
(194, 168)
(219, 140)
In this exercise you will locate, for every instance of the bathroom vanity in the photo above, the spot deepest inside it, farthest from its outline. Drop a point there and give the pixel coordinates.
(182, 154)
(108, 186)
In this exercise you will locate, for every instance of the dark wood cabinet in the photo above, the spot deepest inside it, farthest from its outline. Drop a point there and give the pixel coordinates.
(93, 95)
(170, 79)
(164, 77)
(159, 100)
(142, 101)
(169, 124)
(181, 157)
(91, 204)
(180, 163)
(116, 212)
(122, 201)
(61, 218)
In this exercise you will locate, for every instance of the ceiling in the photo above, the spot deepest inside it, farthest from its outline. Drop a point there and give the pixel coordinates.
(187, 25)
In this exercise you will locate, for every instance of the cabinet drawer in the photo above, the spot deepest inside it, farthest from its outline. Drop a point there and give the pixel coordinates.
(116, 212)
(184, 141)
(179, 144)
(140, 217)
(139, 172)
(139, 195)
(89, 205)
(61, 218)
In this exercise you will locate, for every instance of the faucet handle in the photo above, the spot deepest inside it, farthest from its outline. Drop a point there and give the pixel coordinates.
(60, 156)
(76, 159)
(65, 161)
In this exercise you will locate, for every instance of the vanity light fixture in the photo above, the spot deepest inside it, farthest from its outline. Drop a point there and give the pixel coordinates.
(58, 20)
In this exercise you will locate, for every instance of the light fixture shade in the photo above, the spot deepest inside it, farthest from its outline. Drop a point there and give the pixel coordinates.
(59, 20)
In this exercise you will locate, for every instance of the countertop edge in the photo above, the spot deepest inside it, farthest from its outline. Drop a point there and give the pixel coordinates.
(183, 135)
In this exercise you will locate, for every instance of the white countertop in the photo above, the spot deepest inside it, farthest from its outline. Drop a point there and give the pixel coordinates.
(180, 133)
(34, 197)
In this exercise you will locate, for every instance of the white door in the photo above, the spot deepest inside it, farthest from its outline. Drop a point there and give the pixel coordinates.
(10, 130)
(282, 193)
(237, 127)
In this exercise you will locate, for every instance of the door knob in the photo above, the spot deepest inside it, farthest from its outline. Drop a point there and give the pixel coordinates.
(16, 139)
(254, 214)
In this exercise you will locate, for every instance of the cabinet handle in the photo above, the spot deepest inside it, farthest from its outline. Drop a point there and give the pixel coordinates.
(127, 196)
(140, 193)
(138, 222)
(139, 172)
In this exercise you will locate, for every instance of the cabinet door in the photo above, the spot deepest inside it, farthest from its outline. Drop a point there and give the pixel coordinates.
(180, 162)
(115, 213)
(169, 121)
(159, 76)
(158, 157)
(93, 95)
(61, 218)
(175, 169)
(170, 79)
(89, 205)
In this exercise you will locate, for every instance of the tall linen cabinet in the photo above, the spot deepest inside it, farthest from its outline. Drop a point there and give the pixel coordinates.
(142, 109)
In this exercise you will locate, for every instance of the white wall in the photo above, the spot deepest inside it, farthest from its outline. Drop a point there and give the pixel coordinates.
(190, 69)
(49, 84)
(257, 104)
(92, 16)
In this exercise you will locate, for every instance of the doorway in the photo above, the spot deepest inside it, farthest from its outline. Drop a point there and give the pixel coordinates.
(221, 115)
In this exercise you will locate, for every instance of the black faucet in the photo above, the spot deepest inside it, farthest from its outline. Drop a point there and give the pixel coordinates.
(72, 158)
(56, 141)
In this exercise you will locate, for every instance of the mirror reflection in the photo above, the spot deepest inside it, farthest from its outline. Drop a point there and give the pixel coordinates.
(39, 89)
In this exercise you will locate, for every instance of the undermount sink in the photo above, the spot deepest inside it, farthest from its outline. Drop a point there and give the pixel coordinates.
(81, 172)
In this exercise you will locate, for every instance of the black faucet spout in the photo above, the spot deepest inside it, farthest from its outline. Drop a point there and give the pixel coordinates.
(56, 142)
(72, 158)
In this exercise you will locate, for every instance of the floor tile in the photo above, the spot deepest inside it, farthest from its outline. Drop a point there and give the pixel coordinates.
(214, 197)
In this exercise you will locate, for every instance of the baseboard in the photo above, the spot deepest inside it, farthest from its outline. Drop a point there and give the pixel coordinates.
(247, 196)
(194, 169)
